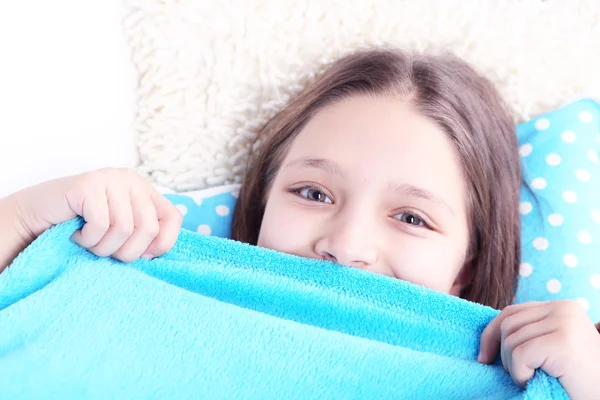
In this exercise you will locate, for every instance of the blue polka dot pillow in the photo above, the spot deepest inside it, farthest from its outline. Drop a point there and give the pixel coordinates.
(208, 211)
(560, 214)
(560, 221)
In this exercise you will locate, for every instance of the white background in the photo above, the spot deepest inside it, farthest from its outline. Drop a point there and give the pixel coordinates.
(67, 90)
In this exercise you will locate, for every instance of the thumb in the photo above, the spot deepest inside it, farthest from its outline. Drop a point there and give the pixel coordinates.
(489, 344)
(76, 237)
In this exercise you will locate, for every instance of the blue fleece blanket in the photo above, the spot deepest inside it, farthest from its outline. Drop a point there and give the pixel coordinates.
(220, 319)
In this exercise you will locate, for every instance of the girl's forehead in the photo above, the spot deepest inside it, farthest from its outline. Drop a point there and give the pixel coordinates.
(370, 131)
(379, 141)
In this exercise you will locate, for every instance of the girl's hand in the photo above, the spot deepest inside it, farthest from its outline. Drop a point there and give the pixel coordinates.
(556, 336)
(125, 216)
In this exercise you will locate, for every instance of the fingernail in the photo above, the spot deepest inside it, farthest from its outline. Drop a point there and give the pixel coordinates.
(147, 256)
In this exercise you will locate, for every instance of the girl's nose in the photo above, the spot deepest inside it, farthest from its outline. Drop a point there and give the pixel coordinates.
(350, 245)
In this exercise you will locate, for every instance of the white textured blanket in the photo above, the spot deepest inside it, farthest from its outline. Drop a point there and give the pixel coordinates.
(211, 72)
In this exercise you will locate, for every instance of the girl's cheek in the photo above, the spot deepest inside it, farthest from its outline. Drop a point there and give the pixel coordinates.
(423, 262)
(287, 229)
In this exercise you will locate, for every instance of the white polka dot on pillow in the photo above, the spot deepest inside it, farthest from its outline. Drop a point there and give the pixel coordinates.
(560, 215)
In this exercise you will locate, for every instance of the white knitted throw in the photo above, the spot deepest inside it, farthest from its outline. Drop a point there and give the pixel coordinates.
(212, 72)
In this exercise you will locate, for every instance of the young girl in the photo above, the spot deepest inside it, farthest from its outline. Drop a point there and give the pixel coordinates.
(400, 165)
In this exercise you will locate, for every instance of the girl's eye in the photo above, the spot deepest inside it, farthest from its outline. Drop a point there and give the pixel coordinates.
(411, 219)
(314, 194)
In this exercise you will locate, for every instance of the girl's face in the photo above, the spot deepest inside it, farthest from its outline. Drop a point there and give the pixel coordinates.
(370, 183)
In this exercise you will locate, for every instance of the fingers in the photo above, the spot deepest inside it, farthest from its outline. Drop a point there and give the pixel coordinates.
(121, 223)
(143, 223)
(513, 344)
(94, 210)
(169, 220)
(512, 334)
(557, 337)
(529, 356)
(492, 335)
(125, 216)
(519, 333)
(146, 228)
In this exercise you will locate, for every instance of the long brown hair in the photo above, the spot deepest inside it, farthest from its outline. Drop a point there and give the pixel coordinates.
(464, 104)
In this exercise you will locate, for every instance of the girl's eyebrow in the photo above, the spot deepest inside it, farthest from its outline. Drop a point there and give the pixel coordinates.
(318, 163)
(402, 189)
(405, 189)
